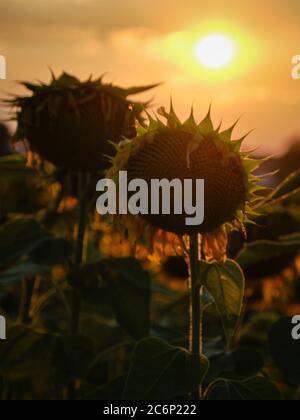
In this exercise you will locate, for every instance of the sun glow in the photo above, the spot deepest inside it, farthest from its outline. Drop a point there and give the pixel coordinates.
(215, 51)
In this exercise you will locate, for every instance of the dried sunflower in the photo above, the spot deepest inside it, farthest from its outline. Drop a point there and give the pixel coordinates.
(72, 123)
(191, 150)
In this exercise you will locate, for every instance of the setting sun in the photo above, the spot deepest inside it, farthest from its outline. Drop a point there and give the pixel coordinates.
(215, 51)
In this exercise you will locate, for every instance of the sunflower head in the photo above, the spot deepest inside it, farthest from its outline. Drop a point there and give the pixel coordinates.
(169, 149)
(72, 123)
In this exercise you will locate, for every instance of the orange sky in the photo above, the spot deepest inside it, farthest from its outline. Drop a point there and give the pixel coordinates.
(138, 42)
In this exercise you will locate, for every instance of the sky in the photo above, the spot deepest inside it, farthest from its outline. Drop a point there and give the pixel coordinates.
(140, 42)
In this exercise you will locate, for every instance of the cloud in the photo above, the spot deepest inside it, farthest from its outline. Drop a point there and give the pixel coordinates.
(138, 42)
(101, 14)
(169, 15)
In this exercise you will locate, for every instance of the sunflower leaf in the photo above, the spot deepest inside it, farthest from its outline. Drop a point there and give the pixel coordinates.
(226, 283)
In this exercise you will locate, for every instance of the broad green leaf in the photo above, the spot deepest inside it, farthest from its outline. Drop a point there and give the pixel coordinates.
(160, 371)
(102, 333)
(262, 251)
(26, 355)
(226, 283)
(290, 185)
(72, 356)
(255, 332)
(24, 190)
(111, 391)
(123, 284)
(292, 239)
(18, 238)
(52, 251)
(285, 350)
(255, 389)
(43, 363)
(20, 271)
(105, 356)
(128, 286)
(239, 364)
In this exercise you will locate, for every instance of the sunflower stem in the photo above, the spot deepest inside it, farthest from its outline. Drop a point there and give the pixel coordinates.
(196, 319)
(82, 218)
(26, 298)
(74, 326)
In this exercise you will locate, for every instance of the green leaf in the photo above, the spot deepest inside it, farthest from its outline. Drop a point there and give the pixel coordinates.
(255, 389)
(101, 333)
(21, 271)
(72, 356)
(288, 187)
(111, 391)
(291, 239)
(18, 238)
(123, 284)
(285, 350)
(128, 286)
(160, 371)
(24, 354)
(255, 332)
(52, 251)
(43, 363)
(262, 251)
(239, 364)
(226, 283)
